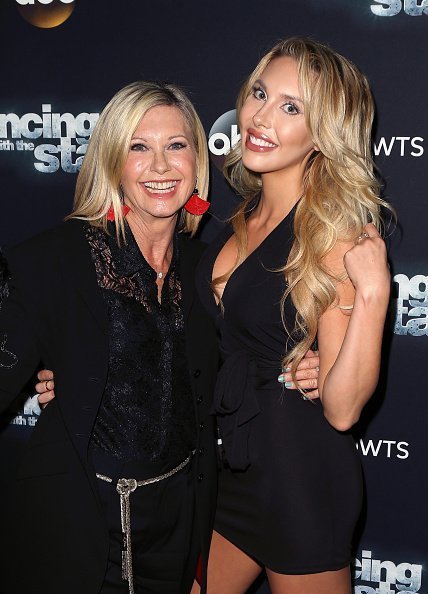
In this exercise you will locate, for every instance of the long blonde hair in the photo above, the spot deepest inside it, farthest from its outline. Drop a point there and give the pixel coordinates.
(98, 182)
(340, 190)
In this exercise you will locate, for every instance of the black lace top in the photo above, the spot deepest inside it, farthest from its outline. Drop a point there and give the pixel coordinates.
(147, 407)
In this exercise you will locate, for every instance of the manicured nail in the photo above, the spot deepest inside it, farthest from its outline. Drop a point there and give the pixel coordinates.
(286, 369)
(281, 379)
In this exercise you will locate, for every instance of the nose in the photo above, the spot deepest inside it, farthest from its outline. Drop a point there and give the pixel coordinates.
(262, 117)
(160, 162)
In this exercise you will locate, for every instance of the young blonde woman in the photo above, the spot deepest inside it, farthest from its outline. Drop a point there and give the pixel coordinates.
(302, 261)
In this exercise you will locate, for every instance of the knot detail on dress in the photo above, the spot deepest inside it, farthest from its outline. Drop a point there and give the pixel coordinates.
(235, 404)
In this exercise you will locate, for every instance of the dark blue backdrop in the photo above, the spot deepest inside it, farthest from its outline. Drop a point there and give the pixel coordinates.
(209, 47)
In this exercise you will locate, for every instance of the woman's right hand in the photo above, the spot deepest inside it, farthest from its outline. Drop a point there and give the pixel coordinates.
(45, 387)
(306, 374)
(367, 265)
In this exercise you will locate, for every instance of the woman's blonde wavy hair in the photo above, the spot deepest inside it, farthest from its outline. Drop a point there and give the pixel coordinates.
(340, 190)
(98, 183)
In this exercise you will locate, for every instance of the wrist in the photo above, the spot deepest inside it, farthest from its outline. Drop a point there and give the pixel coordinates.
(373, 297)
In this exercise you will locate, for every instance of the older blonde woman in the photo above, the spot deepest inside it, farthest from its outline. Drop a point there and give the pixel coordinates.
(120, 471)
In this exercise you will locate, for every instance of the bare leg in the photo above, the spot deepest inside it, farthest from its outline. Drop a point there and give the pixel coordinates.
(328, 582)
(230, 570)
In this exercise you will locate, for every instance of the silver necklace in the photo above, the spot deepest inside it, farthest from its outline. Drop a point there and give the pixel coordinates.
(160, 274)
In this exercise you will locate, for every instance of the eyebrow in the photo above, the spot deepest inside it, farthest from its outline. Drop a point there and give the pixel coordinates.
(284, 96)
(179, 135)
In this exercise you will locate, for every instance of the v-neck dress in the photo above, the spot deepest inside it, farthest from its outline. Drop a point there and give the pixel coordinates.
(290, 485)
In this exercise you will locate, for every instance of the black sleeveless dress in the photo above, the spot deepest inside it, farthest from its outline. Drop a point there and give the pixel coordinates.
(290, 485)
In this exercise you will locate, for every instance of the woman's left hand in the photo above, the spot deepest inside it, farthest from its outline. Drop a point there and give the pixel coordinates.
(367, 265)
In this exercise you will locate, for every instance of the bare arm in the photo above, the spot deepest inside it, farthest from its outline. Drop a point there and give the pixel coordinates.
(350, 345)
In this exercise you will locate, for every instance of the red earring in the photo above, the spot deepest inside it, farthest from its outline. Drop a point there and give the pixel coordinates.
(110, 212)
(195, 205)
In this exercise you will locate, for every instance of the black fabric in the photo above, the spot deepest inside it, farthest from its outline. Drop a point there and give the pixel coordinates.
(147, 407)
(55, 314)
(4, 277)
(290, 489)
(164, 546)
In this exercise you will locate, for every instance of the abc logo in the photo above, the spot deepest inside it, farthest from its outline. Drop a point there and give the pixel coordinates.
(45, 14)
(223, 136)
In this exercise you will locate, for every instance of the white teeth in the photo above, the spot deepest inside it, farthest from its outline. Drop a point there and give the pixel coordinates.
(261, 142)
(163, 187)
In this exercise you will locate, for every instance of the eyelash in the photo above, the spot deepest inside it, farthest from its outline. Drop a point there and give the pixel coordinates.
(180, 145)
(290, 103)
(257, 90)
(139, 146)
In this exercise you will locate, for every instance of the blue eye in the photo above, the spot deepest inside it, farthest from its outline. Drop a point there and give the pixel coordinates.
(176, 146)
(290, 108)
(138, 146)
(259, 93)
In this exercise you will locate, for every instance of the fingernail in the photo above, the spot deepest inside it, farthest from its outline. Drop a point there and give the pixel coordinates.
(281, 379)
(286, 369)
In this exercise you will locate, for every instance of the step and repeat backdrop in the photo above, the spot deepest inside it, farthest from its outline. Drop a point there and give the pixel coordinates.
(61, 60)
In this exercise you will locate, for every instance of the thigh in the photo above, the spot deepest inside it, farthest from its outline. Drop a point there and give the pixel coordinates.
(163, 550)
(113, 582)
(229, 569)
(162, 563)
(326, 582)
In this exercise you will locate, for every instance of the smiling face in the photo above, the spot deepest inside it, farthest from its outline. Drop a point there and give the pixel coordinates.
(275, 138)
(160, 170)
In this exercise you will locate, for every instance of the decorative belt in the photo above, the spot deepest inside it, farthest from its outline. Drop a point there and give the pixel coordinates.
(125, 487)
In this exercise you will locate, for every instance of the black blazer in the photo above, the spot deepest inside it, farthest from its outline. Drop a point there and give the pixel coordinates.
(53, 537)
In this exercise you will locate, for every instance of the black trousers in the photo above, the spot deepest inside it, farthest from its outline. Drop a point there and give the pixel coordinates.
(165, 547)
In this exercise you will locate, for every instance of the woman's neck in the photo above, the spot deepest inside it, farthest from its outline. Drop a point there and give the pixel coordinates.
(154, 238)
(280, 191)
(278, 197)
